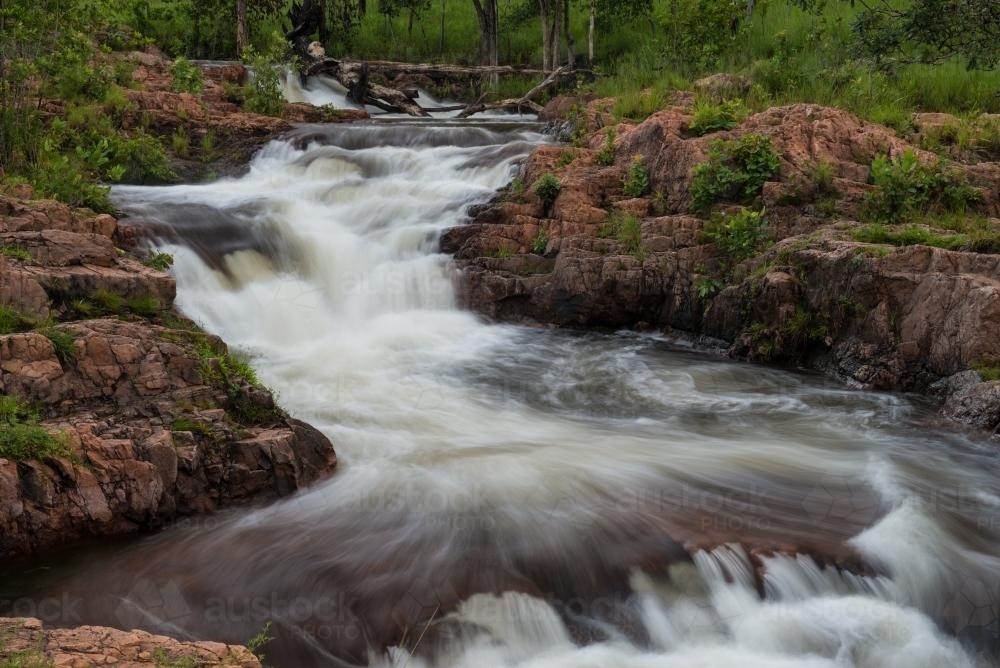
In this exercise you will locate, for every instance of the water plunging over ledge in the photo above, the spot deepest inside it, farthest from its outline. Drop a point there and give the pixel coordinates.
(523, 497)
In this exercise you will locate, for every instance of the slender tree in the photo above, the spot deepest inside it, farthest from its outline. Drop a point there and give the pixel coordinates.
(489, 35)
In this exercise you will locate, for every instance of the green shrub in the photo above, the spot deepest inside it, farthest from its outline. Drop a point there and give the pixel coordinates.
(710, 117)
(263, 93)
(638, 104)
(636, 182)
(547, 189)
(734, 171)
(180, 143)
(738, 236)
(606, 156)
(566, 157)
(21, 435)
(540, 242)
(708, 287)
(159, 261)
(185, 77)
(908, 188)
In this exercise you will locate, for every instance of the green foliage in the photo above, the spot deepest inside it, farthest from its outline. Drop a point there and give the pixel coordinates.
(12, 320)
(540, 242)
(22, 437)
(263, 93)
(711, 117)
(708, 287)
(547, 189)
(25, 659)
(973, 238)
(626, 229)
(159, 261)
(988, 369)
(504, 252)
(107, 301)
(256, 643)
(16, 252)
(738, 236)
(185, 77)
(638, 104)
(145, 306)
(62, 341)
(180, 143)
(566, 158)
(908, 188)
(734, 171)
(636, 182)
(606, 156)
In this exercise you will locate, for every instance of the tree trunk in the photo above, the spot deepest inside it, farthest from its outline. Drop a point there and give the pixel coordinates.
(556, 34)
(441, 48)
(489, 35)
(544, 7)
(570, 52)
(242, 30)
(590, 32)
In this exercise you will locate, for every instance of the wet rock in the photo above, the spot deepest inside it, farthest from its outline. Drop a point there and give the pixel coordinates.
(873, 316)
(150, 434)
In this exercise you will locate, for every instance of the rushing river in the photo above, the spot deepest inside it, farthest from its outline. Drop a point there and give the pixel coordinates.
(511, 496)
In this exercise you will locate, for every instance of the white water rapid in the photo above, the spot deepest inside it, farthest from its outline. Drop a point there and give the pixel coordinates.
(523, 497)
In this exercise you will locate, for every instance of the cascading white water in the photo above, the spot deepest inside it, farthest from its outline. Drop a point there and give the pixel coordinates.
(530, 480)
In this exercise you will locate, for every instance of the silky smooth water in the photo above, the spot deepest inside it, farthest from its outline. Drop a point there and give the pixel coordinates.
(511, 496)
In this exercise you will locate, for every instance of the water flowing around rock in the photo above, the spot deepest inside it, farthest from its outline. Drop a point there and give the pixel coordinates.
(523, 497)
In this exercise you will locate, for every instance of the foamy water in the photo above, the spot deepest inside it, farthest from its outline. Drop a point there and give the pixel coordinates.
(523, 497)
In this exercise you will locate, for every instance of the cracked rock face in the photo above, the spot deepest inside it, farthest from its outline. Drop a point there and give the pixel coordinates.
(153, 429)
(87, 646)
(875, 316)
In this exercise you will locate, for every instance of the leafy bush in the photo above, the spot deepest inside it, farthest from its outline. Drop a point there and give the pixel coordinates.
(159, 261)
(21, 435)
(908, 188)
(738, 236)
(540, 242)
(636, 183)
(606, 156)
(547, 188)
(263, 93)
(185, 77)
(735, 170)
(710, 117)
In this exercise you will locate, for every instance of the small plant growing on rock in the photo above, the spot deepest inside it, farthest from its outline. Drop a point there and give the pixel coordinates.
(540, 242)
(62, 341)
(264, 90)
(710, 117)
(566, 158)
(636, 182)
(21, 435)
(547, 189)
(734, 171)
(159, 261)
(606, 156)
(737, 236)
(185, 77)
(708, 287)
(504, 252)
(16, 252)
(627, 230)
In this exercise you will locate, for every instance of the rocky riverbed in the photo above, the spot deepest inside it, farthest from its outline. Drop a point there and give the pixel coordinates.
(875, 315)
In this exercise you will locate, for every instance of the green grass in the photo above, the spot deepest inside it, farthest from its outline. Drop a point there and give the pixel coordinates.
(973, 235)
(16, 252)
(988, 369)
(627, 230)
(22, 437)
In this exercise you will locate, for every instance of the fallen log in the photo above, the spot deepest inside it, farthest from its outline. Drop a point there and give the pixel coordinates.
(520, 104)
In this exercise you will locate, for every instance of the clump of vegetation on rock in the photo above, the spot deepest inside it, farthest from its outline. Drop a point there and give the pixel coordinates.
(606, 156)
(711, 117)
(21, 435)
(547, 188)
(636, 182)
(185, 77)
(737, 236)
(909, 188)
(735, 171)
